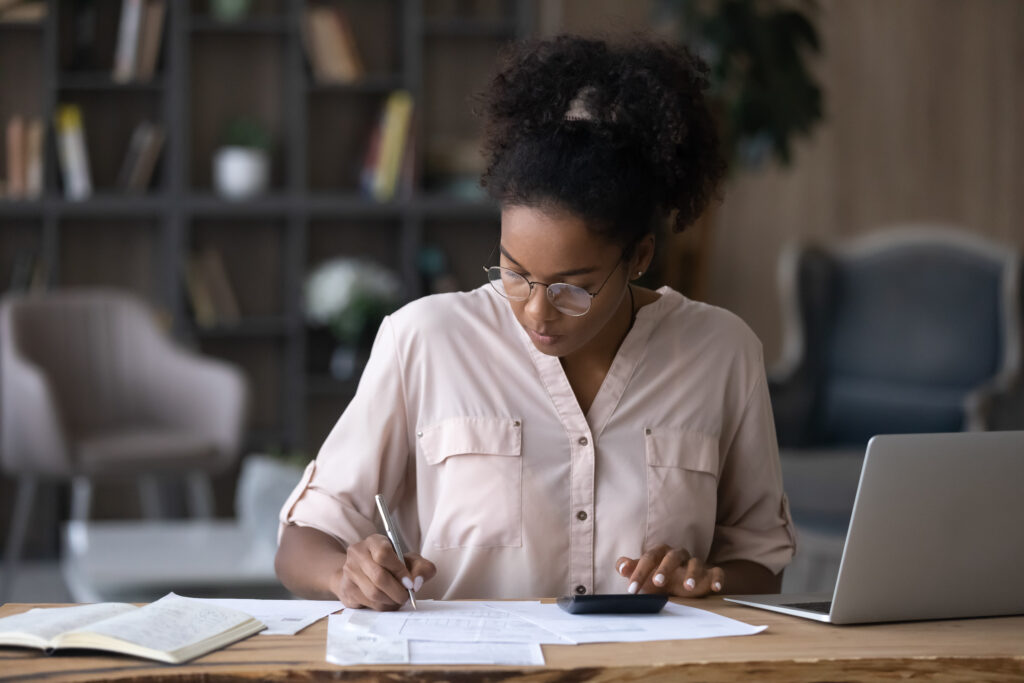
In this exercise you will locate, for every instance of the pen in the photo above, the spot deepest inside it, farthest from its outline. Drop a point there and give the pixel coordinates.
(391, 529)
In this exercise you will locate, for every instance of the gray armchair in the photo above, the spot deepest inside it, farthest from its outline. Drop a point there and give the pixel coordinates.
(92, 389)
(911, 329)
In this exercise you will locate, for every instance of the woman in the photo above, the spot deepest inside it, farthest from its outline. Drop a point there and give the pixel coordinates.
(560, 430)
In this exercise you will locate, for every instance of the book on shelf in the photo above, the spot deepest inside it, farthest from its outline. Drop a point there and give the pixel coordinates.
(21, 11)
(173, 629)
(72, 153)
(150, 36)
(210, 292)
(16, 163)
(331, 46)
(126, 52)
(139, 161)
(388, 147)
(35, 154)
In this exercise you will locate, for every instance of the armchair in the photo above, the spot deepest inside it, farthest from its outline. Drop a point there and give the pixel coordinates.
(91, 389)
(914, 329)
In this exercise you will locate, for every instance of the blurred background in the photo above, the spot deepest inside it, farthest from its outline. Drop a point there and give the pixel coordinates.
(259, 181)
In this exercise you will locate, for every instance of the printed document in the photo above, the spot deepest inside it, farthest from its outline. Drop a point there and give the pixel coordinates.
(674, 622)
(282, 617)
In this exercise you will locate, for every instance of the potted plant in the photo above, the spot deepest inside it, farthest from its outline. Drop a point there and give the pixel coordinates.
(762, 93)
(350, 297)
(241, 165)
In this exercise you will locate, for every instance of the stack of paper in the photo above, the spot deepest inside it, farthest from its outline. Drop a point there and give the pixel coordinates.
(510, 633)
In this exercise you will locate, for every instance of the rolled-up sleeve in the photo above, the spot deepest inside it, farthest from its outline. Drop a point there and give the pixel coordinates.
(753, 521)
(367, 452)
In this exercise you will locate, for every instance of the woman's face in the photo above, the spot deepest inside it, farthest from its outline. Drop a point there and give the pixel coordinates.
(551, 246)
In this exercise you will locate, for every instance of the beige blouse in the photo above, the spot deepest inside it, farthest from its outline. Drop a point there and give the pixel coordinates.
(478, 444)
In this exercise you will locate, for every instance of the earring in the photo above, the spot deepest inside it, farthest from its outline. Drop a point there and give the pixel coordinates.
(639, 273)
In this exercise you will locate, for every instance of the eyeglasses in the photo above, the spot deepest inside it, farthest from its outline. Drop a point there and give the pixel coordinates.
(566, 298)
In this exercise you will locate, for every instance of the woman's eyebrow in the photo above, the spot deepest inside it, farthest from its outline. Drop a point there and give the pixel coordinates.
(565, 273)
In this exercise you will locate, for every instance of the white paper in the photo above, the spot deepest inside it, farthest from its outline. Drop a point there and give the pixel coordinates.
(350, 645)
(512, 654)
(674, 622)
(282, 617)
(454, 621)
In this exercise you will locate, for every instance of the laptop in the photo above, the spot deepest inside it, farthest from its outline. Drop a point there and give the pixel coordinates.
(937, 532)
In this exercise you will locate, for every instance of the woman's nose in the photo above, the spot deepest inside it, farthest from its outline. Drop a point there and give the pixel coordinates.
(537, 305)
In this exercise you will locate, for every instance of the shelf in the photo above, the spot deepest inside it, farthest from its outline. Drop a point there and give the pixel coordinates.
(469, 28)
(30, 208)
(371, 85)
(446, 206)
(103, 205)
(273, 326)
(102, 80)
(250, 26)
(22, 25)
(275, 204)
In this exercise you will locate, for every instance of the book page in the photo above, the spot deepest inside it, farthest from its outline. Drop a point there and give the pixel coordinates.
(48, 622)
(169, 624)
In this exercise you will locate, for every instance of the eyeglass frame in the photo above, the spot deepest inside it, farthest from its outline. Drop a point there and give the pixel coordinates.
(547, 287)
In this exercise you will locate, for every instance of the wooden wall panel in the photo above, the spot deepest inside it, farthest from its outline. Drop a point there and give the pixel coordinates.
(925, 106)
(925, 102)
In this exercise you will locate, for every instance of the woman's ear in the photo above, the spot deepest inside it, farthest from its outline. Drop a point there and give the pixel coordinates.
(642, 257)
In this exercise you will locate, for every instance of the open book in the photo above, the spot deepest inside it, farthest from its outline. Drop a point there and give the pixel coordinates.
(173, 629)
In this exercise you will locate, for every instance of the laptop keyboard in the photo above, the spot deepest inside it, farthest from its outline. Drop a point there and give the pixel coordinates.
(824, 607)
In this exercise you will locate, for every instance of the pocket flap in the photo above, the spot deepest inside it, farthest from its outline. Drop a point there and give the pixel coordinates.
(683, 449)
(477, 435)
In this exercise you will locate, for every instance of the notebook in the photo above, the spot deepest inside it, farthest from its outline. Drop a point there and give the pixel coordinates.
(937, 532)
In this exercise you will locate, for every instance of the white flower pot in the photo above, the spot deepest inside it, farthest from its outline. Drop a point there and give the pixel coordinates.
(264, 484)
(240, 172)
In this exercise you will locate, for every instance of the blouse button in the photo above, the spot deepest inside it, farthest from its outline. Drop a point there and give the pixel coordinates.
(419, 434)
(583, 441)
(516, 423)
(581, 515)
(647, 431)
(581, 589)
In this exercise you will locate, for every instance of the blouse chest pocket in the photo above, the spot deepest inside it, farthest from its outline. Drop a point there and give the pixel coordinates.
(478, 471)
(682, 489)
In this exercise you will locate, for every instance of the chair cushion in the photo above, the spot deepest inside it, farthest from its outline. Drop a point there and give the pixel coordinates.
(133, 451)
(854, 410)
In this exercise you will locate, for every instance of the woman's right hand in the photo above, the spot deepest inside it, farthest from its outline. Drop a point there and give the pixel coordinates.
(373, 577)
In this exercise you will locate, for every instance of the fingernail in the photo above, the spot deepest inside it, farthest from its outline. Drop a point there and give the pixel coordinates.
(407, 582)
(621, 566)
(690, 583)
(717, 586)
(659, 579)
(633, 587)
(417, 585)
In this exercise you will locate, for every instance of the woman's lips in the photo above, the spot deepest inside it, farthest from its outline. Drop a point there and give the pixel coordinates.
(545, 339)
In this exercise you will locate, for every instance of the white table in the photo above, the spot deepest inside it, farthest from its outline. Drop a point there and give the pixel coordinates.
(142, 560)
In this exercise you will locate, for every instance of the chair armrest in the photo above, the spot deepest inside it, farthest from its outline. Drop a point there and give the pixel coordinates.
(203, 395)
(996, 405)
(34, 439)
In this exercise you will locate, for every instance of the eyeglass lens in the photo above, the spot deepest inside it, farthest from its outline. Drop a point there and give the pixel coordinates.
(568, 299)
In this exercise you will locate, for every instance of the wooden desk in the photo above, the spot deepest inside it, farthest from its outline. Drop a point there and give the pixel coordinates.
(791, 649)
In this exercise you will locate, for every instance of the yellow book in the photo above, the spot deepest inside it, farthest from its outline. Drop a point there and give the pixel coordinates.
(394, 132)
(173, 629)
(72, 153)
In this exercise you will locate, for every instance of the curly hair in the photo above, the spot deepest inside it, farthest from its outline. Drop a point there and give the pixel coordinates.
(618, 134)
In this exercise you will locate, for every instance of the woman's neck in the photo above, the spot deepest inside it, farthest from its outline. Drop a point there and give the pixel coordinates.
(599, 352)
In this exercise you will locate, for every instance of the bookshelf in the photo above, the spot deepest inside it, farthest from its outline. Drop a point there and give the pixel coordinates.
(208, 71)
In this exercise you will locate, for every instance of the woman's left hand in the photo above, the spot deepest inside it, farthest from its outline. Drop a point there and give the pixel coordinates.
(675, 572)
